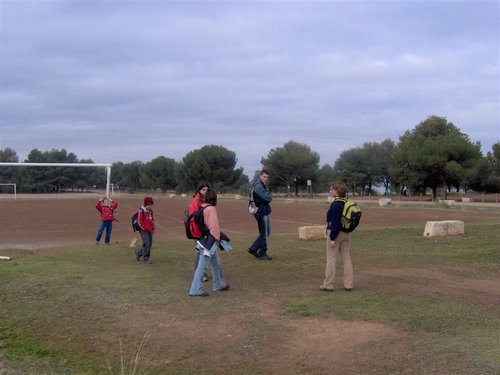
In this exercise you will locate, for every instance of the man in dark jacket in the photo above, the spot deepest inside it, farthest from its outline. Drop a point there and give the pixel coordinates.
(262, 197)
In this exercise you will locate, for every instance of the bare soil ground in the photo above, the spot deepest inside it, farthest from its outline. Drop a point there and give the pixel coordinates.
(312, 346)
(45, 221)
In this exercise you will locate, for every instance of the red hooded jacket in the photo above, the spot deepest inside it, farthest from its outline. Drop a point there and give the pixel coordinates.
(107, 212)
(145, 219)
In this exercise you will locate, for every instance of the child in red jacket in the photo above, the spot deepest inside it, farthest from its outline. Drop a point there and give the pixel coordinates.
(147, 228)
(107, 208)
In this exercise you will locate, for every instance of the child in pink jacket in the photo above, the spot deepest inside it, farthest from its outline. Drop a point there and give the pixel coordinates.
(208, 250)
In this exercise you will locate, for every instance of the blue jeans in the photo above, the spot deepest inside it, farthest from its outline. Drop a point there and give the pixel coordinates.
(147, 242)
(108, 225)
(198, 259)
(217, 278)
(260, 244)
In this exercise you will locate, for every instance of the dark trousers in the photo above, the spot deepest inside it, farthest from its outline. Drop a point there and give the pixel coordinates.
(147, 242)
(260, 244)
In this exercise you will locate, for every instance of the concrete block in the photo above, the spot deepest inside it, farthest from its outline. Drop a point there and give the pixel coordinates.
(444, 228)
(184, 195)
(237, 197)
(384, 202)
(316, 232)
(465, 199)
(447, 202)
(456, 228)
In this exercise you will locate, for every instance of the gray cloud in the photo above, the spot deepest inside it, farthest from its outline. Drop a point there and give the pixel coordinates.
(130, 80)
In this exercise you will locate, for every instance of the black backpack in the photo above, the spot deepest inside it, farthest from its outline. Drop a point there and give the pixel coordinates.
(195, 224)
(135, 222)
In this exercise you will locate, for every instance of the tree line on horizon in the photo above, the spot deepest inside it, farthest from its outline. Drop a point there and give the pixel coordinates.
(433, 155)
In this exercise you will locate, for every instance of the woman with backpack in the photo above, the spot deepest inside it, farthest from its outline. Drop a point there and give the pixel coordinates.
(208, 250)
(337, 241)
(195, 205)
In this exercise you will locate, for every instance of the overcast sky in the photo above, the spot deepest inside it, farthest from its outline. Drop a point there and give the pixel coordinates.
(134, 80)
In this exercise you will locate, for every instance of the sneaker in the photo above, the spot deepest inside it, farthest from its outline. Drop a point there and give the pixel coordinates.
(137, 255)
(97, 243)
(348, 289)
(264, 257)
(204, 294)
(322, 288)
(253, 252)
(226, 287)
(205, 278)
(147, 262)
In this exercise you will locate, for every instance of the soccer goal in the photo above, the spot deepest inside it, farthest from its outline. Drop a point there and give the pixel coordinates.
(13, 185)
(115, 189)
(77, 165)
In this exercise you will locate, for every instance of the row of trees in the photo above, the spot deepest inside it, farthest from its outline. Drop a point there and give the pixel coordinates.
(435, 154)
(214, 164)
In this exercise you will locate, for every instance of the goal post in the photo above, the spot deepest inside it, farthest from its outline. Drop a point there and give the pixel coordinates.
(80, 165)
(13, 185)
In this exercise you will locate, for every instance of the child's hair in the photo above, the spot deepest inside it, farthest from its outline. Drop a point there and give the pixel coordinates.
(340, 187)
(211, 197)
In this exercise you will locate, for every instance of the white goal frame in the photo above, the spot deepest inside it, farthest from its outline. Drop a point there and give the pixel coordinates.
(113, 188)
(107, 166)
(11, 184)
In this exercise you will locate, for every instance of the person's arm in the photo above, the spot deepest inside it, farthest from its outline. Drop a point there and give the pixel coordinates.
(264, 194)
(98, 206)
(194, 205)
(334, 220)
(152, 221)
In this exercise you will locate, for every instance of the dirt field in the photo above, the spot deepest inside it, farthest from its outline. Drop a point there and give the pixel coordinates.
(294, 345)
(46, 221)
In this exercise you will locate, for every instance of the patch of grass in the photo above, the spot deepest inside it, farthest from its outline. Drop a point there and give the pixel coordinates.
(20, 347)
(467, 333)
(31, 355)
(59, 308)
(412, 312)
(408, 247)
